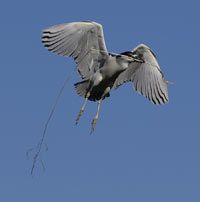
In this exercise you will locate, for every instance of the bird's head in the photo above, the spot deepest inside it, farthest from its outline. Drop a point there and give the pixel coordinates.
(144, 53)
(129, 57)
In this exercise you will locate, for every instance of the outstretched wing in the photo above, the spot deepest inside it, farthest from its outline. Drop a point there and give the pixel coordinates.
(147, 77)
(84, 41)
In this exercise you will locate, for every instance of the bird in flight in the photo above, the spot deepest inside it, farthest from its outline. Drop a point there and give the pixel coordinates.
(101, 70)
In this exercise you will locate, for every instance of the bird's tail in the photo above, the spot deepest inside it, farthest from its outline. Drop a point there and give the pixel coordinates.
(82, 87)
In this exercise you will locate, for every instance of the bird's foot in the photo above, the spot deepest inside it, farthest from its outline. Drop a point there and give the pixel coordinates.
(93, 125)
(79, 116)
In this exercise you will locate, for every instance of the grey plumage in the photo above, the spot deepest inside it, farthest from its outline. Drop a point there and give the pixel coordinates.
(100, 70)
(147, 76)
(77, 39)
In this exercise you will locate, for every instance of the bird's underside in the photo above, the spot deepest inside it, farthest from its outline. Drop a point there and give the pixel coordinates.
(97, 92)
(101, 71)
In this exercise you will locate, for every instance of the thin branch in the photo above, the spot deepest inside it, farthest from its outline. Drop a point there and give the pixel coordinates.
(39, 146)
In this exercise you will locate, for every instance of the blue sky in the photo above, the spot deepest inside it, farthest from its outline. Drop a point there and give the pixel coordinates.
(139, 152)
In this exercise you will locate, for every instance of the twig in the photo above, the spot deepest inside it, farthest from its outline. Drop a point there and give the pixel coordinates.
(39, 146)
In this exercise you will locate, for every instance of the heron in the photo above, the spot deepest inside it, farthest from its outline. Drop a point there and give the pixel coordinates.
(101, 70)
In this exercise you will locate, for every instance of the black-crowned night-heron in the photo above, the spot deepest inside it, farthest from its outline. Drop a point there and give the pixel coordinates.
(101, 70)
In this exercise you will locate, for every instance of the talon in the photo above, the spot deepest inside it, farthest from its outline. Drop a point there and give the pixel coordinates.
(93, 125)
(82, 109)
(79, 116)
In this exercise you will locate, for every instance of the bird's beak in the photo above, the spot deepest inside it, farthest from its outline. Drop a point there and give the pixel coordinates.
(135, 58)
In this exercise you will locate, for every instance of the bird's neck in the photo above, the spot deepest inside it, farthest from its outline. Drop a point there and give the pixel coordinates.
(121, 63)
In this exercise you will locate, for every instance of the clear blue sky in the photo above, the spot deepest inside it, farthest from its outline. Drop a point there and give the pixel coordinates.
(139, 152)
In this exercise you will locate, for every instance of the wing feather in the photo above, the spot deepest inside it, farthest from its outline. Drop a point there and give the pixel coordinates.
(84, 41)
(147, 78)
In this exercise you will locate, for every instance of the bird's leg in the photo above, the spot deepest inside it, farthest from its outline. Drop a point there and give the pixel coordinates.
(99, 104)
(96, 117)
(83, 107)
